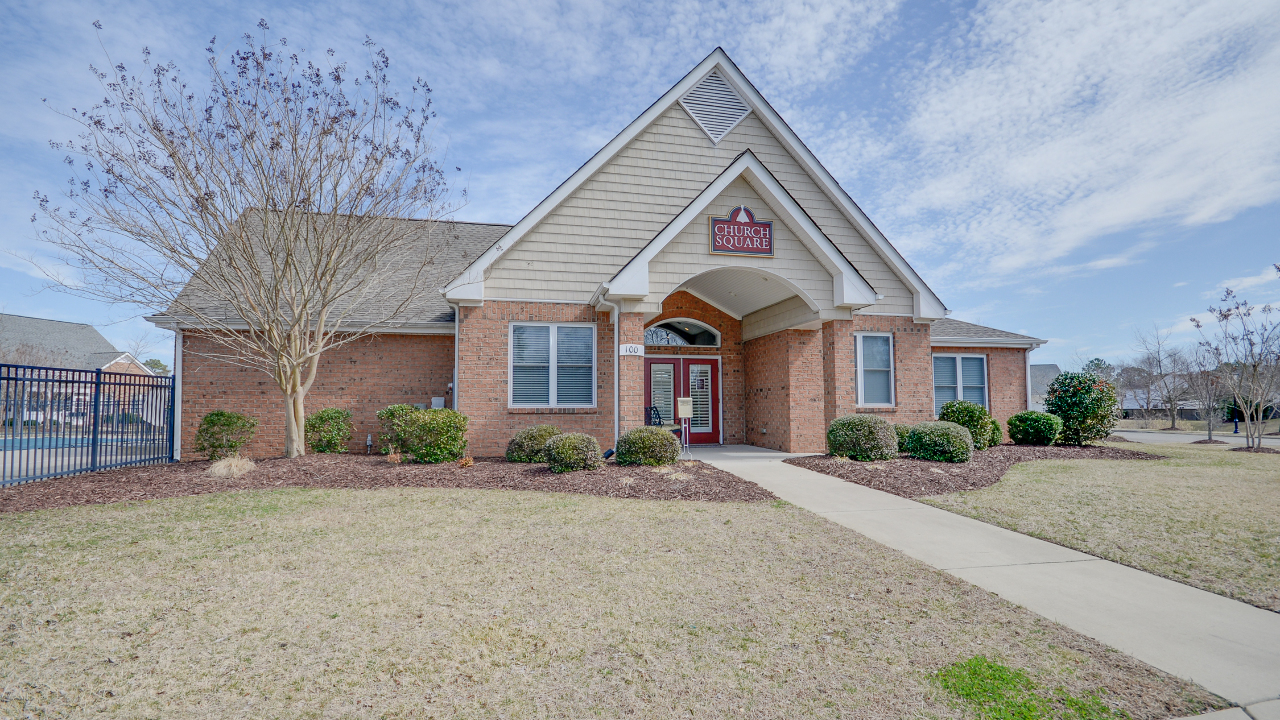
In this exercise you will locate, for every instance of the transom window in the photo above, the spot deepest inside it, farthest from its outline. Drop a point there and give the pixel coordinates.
(681, 331)
(875, 370)
(959, 377)
(553, 365)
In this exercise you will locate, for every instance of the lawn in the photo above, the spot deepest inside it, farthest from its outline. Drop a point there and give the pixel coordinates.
(410, 602)
(1204, 516)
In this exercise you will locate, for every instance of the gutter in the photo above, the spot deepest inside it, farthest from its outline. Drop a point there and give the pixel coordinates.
(598, 299)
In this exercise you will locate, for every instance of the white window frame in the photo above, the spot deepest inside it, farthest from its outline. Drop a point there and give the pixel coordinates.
(552, 365)
(986, 378)
(893, 372)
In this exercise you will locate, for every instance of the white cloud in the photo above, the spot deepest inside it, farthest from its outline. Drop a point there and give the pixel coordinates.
(1268, 275)
(1043, 126)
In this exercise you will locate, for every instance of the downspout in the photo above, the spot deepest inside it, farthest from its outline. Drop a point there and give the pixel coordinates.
(457, 310)
(1027, 355)
(617, 370)
(177, 394)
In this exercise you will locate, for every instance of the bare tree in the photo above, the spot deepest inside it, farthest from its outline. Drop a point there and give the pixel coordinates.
(1244, 341)
(141, 344)
(1165, 365)
(1134, 382)
(1206, 386)
(266, 211)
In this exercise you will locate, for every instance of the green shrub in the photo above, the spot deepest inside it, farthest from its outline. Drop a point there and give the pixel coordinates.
(902, 432)
(389, 419)
(530, 444)
(1034, 428)
(573, 451)
(941, 441)
(432, 436)
(970, 415)
(1086, 404)
(328, 430)
(223, 433)
(862, 437)
(648, 445)
(997, 434)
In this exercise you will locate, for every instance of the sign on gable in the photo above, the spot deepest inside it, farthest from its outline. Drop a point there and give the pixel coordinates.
(741, 234)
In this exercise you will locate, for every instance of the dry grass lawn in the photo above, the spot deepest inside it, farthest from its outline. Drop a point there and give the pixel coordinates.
(1205, 516)
(483, 604)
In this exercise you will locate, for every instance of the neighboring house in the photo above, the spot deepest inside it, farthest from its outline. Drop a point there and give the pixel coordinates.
(1041, 377)
(69, 346)
(55, 343)
(703, 253)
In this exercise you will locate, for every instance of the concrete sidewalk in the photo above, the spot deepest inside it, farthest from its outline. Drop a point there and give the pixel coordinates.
(1228, 647)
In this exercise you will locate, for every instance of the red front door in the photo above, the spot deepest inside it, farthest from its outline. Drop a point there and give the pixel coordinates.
(666, 379)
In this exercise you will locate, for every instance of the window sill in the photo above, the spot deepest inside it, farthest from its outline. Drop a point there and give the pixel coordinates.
(553, 411)
(877, 408)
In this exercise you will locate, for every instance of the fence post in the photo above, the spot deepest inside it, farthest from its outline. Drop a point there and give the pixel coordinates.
(97, 411)
(172, 415)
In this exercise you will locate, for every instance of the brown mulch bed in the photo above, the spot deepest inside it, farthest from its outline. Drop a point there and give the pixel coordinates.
(1116, 438)
(1256, 449)
(1207, 441)
(910, 477)
(687, 480)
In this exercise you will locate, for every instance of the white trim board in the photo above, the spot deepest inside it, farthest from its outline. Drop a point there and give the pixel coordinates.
(469, 285)
(848, 288)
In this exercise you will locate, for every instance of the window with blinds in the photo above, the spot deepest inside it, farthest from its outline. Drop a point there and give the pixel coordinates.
(959, 377)
(875, 370)
(553, 365)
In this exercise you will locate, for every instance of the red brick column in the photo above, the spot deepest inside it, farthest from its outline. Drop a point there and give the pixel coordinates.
(839, 370)
(630, 373)
(784, 385)
(808, 431)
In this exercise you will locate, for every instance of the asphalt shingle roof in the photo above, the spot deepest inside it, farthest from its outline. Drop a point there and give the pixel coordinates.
(1041, 376)
(451, 245)
(948, 329)
(54, 343)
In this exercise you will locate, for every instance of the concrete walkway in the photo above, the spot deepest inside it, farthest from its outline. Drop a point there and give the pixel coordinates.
(1228, 647)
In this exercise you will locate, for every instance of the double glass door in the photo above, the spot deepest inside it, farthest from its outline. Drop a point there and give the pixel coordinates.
(666, 379)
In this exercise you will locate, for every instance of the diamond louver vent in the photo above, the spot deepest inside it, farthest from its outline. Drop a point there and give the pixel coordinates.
(714, 105)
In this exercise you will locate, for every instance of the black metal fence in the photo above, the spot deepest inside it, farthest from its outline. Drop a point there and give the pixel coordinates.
(57, 421)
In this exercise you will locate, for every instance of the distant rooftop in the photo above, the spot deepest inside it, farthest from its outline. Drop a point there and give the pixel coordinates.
(54, 343)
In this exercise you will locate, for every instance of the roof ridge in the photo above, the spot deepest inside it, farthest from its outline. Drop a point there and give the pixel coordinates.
(29, 317)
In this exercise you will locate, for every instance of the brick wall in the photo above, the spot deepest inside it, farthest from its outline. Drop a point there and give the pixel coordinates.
(785, 391)
(483, 382)
(732, 373)
(363, 377)
(1006, 378)
(124, 366)
(912, 365)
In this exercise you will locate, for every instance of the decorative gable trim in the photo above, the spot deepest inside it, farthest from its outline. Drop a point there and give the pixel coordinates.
(715, 106)
(849, 289)
(468, 287)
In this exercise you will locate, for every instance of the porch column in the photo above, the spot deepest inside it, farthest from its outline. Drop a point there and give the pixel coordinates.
(839, 371)
(631, 402)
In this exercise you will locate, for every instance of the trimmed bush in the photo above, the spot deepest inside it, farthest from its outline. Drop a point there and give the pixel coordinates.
(1034, 428)
(328, 430)
(862, 437)
(997, 434)
(1086, 404)
(389, 419)
(530, 444)
(223, 433)
(970, 415)
(573, 451)
(940, 441)
(432, 436)
(648, 445)
(902, 432)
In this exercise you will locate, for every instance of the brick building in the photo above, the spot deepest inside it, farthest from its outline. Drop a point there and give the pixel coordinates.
(703, 253)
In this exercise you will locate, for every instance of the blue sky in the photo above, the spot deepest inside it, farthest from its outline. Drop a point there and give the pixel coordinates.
(1070, 170)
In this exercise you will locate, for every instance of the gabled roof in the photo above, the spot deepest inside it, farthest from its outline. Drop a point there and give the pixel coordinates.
(469, 285)
(56, 343)
(849, 289)
(954, 332)
(1041, 376)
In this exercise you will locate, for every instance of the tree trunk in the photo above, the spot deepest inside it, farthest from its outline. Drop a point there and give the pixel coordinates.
(295, 437)
(1173, 416)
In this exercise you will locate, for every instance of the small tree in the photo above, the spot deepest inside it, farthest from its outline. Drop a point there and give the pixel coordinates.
(1243, 341)
(1086, 404)
(1165, 366)
(265, 211)
(1207, 386)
